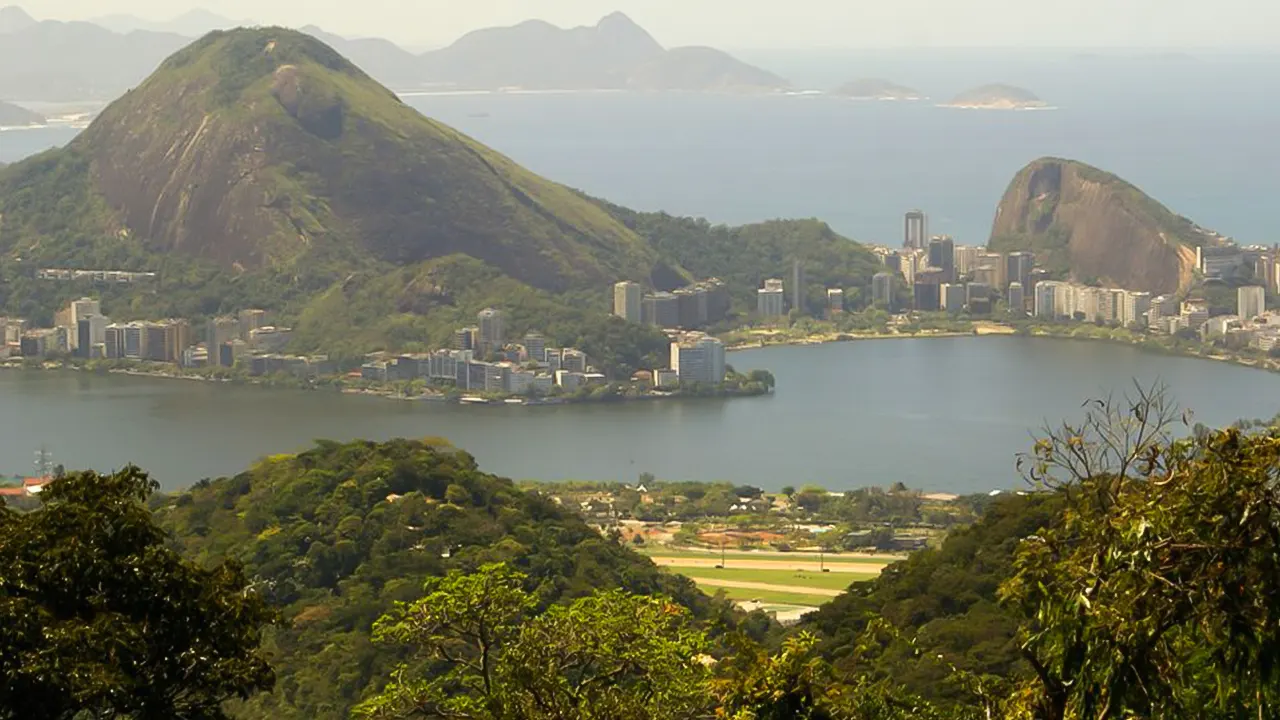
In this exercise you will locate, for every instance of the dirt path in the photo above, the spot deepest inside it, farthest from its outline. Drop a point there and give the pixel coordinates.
(825, 592)
(731, 563)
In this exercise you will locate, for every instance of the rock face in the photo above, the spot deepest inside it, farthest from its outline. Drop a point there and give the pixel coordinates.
(264, 148)
(1092, 226)
(997, 97)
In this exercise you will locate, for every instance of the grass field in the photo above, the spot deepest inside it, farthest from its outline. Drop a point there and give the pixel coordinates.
(807, 556)
(781, 578)
(772, 597)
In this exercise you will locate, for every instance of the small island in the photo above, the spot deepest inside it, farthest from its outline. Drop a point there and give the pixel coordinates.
(15, 116)
(876, 89)
(997, 97)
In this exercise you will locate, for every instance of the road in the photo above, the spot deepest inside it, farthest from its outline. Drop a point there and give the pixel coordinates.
(798, 589)
(731, 563)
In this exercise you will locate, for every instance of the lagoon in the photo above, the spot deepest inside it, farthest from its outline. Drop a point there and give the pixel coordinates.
(944, 414)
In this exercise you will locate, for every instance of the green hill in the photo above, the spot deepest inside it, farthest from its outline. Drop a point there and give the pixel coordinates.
(340, 532)
(259, 168)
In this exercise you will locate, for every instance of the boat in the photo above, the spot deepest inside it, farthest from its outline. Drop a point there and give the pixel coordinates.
(473, 400)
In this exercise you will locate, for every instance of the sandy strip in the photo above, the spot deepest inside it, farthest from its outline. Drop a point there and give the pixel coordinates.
(731, 563)
(825, 592)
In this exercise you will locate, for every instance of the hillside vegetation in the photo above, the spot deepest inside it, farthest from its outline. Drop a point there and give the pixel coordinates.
(340, 532)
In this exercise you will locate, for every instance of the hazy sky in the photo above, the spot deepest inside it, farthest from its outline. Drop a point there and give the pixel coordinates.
(764, 23)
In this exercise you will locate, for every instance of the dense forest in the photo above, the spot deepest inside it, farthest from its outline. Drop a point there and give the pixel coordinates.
(1137, 578)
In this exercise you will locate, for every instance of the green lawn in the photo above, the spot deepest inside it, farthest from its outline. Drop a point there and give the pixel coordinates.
(793, 578)
(659, 551)
(769, 596)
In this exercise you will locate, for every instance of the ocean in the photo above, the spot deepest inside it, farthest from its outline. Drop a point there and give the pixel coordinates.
(1194, 130)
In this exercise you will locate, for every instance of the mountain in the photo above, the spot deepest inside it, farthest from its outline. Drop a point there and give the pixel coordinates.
(616, 53)
(192, 23)
(337, 534)
(36, 61)
(876, 89)
(383, 60)
(997, 97)
(14, 19)
(14, 116)
(1095, 227)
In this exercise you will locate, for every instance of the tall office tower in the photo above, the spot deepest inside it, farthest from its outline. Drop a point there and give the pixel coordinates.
(942, 255)
(627, 297)
(917, 231)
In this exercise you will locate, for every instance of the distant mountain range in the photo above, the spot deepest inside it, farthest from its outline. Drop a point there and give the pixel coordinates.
(60, 61)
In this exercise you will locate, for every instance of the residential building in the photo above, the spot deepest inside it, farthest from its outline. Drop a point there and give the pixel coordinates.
(1135, 308)
(1046, 295)
(1251, 302)
(555, 358)
(91, 332)
(220, 332)
(953, 297)
(1017, 299)
(927, 290)
(44, 342)
(497, 377)
(978, 298)
(1220, 261)
(665, 379)
(661, 310)
(569, 380)
(966, 259)
(799, 288)
(771, 299)
(698, 358)
(942, 255)
(627, 297)
(493, 331)
(991, 269)
(835, 301)
(882, 290)
(251, 320)
(1018, 267)
(536, 345)
(269, 339)
(917, 231)
(692, 307)
(467, 338)
(573, 360)
(1195, 312)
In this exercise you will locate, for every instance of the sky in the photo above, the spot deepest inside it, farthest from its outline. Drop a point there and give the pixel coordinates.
(763, 24)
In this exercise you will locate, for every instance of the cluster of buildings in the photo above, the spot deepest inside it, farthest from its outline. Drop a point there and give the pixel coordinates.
(695, 306)
(775, 300)
(101, 277)
(953, 278)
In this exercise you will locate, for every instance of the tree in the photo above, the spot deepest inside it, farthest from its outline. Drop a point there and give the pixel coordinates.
(1154, 593)
(788, 490)
(100, 617)
(609, 656)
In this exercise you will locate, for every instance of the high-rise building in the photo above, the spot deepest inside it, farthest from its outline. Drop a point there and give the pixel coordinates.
(573, 360)
(882, 290)
(1135, 309)
(661, 310)
(954, 297)
(698, 358)
(692, 307)
(835, 301)
(1046, 299)
(83, 308)
(1018, 267)
(917, 231)
(771, 299)
(978, 298)
(799, 300)
(493, 330)
(251, 320)
(942, 255)
(536, 346)
(966, 259)
(927, 290)
(221, 331)
(467, 338)
(1017, 299)
(1251, 302)
(627, 297)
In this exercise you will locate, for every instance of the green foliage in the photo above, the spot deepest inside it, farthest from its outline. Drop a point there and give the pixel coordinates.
(99, 616)
(611, 656)
(338, 534)
(1153, 595)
